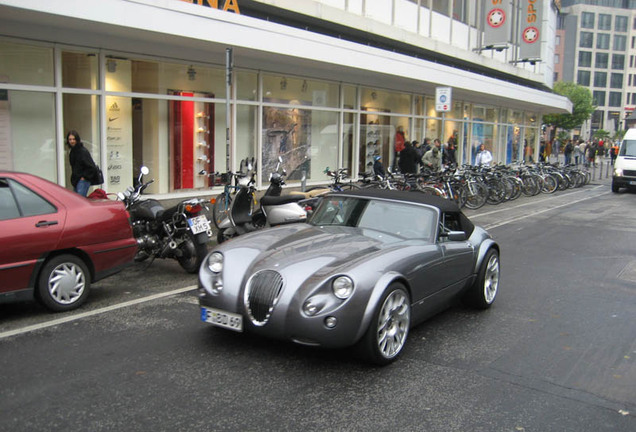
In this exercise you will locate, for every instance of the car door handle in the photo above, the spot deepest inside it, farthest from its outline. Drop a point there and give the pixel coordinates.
(45, 223)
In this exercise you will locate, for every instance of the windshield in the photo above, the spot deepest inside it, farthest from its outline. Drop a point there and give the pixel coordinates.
(400, 219)
(628, 148)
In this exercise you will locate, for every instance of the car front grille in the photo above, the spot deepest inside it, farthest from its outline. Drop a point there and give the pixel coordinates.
(629, 173)
(261, 295)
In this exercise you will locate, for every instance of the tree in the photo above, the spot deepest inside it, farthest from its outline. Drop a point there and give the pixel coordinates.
(619, 134)
(601, 134)
(582, 106)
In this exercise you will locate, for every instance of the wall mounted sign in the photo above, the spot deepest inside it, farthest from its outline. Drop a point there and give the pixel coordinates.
(529, 29)
(497, 22)
(225, 5)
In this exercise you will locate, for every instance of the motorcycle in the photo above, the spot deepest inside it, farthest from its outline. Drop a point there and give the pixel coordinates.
(275, 209)
(180, 232)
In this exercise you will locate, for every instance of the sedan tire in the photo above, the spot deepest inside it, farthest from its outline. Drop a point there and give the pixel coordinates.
(386, 336)
(64, 283)
(483, 292)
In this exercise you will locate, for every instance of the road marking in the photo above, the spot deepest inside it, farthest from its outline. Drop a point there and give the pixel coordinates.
(516, 219)
(551, 198)
(82, 315)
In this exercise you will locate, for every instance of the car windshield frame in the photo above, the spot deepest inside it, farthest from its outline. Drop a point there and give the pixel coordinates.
(397, 218)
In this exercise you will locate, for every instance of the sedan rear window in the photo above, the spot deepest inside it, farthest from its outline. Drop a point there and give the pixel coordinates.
(8, 206)
(17, 200)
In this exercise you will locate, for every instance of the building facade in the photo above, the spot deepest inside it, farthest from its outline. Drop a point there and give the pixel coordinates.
(326, 83)
(599, 47)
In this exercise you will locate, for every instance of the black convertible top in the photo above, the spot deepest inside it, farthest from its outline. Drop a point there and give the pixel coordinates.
(446, 206)
(408, 196)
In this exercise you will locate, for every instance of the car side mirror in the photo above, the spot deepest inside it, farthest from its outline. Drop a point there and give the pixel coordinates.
(456, 235)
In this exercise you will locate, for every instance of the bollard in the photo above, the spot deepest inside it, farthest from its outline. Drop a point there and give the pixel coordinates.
(608, 170)
(303, 181)
(600, 176)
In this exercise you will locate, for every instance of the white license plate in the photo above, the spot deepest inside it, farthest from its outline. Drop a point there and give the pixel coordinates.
(632, 183)
(199, 224)
(221, 318)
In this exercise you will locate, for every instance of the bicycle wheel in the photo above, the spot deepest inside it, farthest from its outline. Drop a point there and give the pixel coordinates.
(476, 194)
(550, 184)
(220, 209)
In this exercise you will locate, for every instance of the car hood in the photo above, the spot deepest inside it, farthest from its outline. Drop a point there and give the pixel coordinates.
(314, 249)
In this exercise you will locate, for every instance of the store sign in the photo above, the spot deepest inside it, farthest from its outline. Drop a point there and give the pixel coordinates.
(529, 30)
(497, 20)
(225, 5)
(443, 99)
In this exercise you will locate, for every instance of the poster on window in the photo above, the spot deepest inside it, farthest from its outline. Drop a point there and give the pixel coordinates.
(119, 171)
(286, 133)
(6, 152)
(529, 29)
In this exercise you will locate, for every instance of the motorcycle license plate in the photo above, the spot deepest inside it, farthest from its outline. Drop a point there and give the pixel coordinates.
(199, 224)
(221, 318)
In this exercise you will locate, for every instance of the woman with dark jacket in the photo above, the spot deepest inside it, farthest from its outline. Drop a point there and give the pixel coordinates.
(82, 165)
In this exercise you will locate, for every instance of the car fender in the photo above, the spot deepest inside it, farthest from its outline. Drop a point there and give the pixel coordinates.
(374, 298)
(484, 247)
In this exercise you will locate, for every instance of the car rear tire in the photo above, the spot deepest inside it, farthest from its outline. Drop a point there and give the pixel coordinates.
(483, 292)
(386, 336)
(64, 283)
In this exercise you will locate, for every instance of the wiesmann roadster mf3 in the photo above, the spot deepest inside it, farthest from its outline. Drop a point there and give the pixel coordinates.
(367, 267)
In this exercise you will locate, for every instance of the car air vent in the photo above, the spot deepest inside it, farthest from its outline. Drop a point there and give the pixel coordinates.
(261, 295)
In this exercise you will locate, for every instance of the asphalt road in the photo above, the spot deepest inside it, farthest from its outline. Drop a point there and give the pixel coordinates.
(557, 351)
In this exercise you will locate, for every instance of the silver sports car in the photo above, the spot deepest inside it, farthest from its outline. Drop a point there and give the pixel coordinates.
(366, 267)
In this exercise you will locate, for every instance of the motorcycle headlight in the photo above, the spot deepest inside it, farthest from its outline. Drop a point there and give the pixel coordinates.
(342, 287)
(215, 262)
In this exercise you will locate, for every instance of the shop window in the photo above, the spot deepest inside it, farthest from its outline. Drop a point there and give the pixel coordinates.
(80, 70)
(80, 113)
(26, 64)
(299, 91)
(441, 6)
(307, 141)
(30, 145)
(349, 96)
(385, 101)
(246, 85)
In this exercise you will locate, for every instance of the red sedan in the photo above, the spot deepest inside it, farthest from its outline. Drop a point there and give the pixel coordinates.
(54, 243)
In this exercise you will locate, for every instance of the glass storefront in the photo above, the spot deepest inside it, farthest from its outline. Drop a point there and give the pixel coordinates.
(171, 117)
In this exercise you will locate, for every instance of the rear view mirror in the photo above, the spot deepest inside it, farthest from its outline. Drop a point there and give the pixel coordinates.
(456, 235)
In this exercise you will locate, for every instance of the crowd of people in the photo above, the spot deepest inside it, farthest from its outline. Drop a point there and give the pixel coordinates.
(577, 152)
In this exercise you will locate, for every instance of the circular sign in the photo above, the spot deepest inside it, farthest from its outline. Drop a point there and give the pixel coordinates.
(442, 98)
(496, 18)
(530, 34)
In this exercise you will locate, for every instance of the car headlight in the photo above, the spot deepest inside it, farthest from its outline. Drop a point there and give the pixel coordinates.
(342, 287)
(618, 172)
(215, 262)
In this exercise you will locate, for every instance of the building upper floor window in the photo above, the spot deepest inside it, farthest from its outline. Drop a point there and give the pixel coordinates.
(620, 42)
(602, 59)
(615, 99)
(599, 98)
(558, 40)
(585, 59)
(604, 22)
(602, 41)
(583, 78)
(618, 61)
(616, 80)
(586, 40)
(557, 59)
(587, 20)
(620, 23)
(600, 79)
(441, 6)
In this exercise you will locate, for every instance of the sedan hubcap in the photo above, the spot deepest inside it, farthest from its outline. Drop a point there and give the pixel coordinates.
(393, 324)
(491, 281)
(66, 283)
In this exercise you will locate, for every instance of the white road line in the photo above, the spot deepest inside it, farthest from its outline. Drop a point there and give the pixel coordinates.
(79, 316)
(535, 202)
(505, 222)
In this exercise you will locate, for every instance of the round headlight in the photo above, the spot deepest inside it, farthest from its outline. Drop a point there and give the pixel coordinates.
(342, 287)
(215, 262)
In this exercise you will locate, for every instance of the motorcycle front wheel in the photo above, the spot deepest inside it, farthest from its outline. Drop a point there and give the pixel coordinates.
(192, 254)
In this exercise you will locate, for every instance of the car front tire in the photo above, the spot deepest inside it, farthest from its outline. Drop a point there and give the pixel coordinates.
(64, 283)
(483, 292)
(386, 336)
(615, 187)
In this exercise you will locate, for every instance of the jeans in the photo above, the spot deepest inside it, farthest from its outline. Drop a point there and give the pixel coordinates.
(82, 187)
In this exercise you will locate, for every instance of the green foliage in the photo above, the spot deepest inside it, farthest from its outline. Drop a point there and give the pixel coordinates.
(601, 134)
(619, 134)
(582, 106)
(563, 136)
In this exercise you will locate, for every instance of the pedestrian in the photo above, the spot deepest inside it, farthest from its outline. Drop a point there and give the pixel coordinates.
(83, 168)
(591, 154)
(614, 152)
(449, 158)
(400, 140)
(432, 159)
(577, 152)
(484, 157)
(583, 151)
(378, 168)
(408, 159)
(567, 151)
(420, 152)
(426, 146)
(542, 151)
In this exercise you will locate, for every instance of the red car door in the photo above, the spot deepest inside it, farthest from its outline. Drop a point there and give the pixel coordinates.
(30, 226)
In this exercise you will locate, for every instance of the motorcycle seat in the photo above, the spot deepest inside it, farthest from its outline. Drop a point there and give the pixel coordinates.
(269, 200)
